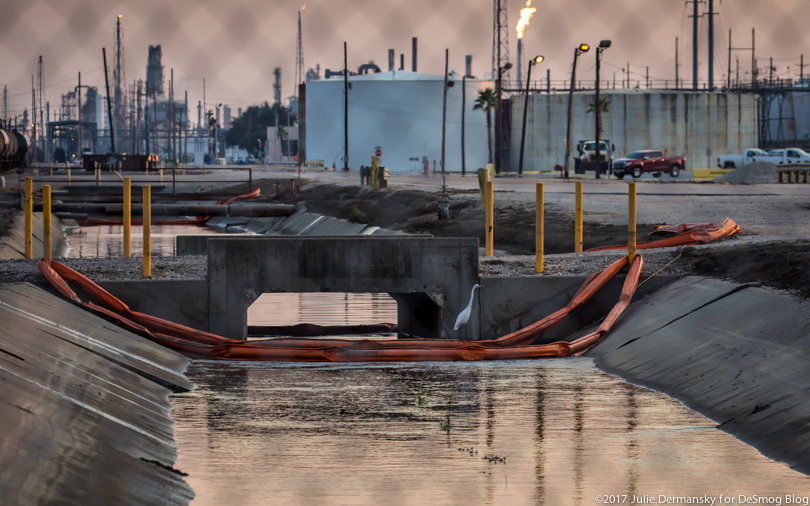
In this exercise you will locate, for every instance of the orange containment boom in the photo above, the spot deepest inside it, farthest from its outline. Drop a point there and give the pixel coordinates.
(197, 344)
(688, 234)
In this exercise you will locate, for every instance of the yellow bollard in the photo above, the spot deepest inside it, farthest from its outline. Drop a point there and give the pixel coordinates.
(68, 174)
(127, 217)
(490, 219)
(147, 231)
(631, 230)
(29, 217)
(578, 219)
(161, 176)
(538, 229)
(52, 169)
(98, 177)
(46, 223)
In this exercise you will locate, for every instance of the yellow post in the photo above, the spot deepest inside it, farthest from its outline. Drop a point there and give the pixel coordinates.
(490, 219)
(578, 219)
(68, 174)
(631, 229)
(98, 177)
(538, 229)
(46, 223)
(29, 217)
(147, 231)
(127, 217)
(161, 175)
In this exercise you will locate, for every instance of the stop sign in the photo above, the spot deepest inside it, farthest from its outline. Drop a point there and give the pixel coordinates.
(378, 152)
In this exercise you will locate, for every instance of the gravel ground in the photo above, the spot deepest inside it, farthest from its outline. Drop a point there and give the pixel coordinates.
(757, 172)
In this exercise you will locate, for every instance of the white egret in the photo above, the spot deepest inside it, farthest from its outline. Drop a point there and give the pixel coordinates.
(464, 316)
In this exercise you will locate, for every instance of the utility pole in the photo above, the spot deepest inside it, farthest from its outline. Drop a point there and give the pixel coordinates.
(79, 115)
(753, 60)
(711, 44)
(463, 107)
(345, 108)
(728, 81)
(677, 83)
(694, 17)
(648, 76)
(171, 115)
(109, 105)
(34, 119)
(801, 69)
(770, 72)
(444, 105)
(138, 119)
(40, 78)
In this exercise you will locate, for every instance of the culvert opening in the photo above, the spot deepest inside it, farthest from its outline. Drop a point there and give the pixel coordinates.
(313, 314)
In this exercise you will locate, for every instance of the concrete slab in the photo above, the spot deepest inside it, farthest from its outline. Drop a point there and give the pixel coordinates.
(84, 408)
(180, 301)
(239, 270)
(736, 354)
(12, 245)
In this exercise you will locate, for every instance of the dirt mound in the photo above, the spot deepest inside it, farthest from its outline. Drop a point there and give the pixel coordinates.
(757, 172)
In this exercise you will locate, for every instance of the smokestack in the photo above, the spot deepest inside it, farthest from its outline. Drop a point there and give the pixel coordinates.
(199, 115)
(520, 60)
(469, 66)
(414, 54)
(391, 57)
(402, 61)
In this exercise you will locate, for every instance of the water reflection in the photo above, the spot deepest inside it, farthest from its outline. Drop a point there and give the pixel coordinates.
(276, 433)
(106, 241)
(322, 308)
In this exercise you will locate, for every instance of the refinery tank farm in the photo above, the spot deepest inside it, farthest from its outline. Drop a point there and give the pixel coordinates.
(498, 252)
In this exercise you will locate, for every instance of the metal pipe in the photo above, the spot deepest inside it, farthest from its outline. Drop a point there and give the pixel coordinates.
(127, 217)
(578, 219)
(147, 231)
(570, 108)
(29, 218)
(46, 223)
(631, 229)
(539, 227)
(489, 219)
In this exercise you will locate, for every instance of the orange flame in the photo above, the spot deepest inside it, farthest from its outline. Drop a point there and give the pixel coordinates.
(525, 14)
(304, 7)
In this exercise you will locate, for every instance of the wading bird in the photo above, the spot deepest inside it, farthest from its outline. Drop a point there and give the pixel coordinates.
(465, 315)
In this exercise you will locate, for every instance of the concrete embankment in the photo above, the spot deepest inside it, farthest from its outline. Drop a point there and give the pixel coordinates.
(737, 354)
(84, 407)
(12, 245)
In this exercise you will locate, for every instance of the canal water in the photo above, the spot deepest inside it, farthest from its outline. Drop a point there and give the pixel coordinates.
(322, 308)
(102, 241)
(556, 432)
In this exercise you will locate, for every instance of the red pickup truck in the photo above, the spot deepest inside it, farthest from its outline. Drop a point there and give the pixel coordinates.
(648, 161)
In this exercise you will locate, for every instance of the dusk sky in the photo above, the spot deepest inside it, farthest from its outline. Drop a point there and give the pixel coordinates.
(236, 44)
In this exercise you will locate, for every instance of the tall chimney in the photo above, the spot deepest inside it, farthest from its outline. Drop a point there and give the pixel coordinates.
(469, 66)
(402, 61)
(414, 54)
(391, 57)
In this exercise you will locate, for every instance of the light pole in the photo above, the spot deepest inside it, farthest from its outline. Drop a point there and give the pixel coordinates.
(602, 46)
(581, 49)
(536, 59)
(498, 120)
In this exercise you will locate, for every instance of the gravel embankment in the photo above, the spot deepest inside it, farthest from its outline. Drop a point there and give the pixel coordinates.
(104, 269)
(757, 172)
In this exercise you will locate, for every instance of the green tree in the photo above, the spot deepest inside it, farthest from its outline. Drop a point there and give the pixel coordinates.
(487, 101)
(247, 130)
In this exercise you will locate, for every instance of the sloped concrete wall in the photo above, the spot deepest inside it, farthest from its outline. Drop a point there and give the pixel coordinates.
(84, 408)
(739, 355)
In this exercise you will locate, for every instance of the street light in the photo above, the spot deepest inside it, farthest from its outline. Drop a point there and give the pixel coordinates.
(602, 46)
(582, 48)
(498, 119)
(537, 59)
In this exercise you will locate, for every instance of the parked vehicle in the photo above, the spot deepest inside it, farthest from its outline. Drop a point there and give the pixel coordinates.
(737, 161)
(786, 156)
(648, 161)
(587, 156)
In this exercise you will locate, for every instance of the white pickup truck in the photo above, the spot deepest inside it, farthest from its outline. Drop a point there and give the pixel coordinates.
(786, 156)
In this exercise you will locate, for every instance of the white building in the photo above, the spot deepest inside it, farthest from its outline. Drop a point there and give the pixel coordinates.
(399, 113)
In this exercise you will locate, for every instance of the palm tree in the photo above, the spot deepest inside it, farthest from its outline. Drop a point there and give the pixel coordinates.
(604, 108)
(487, 101)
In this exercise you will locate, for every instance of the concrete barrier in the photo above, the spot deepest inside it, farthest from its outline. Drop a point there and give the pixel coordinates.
(430, 278)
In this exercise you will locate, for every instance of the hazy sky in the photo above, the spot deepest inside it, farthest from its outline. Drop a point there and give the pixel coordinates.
(236, 44)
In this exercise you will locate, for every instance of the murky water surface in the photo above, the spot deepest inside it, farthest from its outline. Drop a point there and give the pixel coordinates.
(102, 241)
(553, 432)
